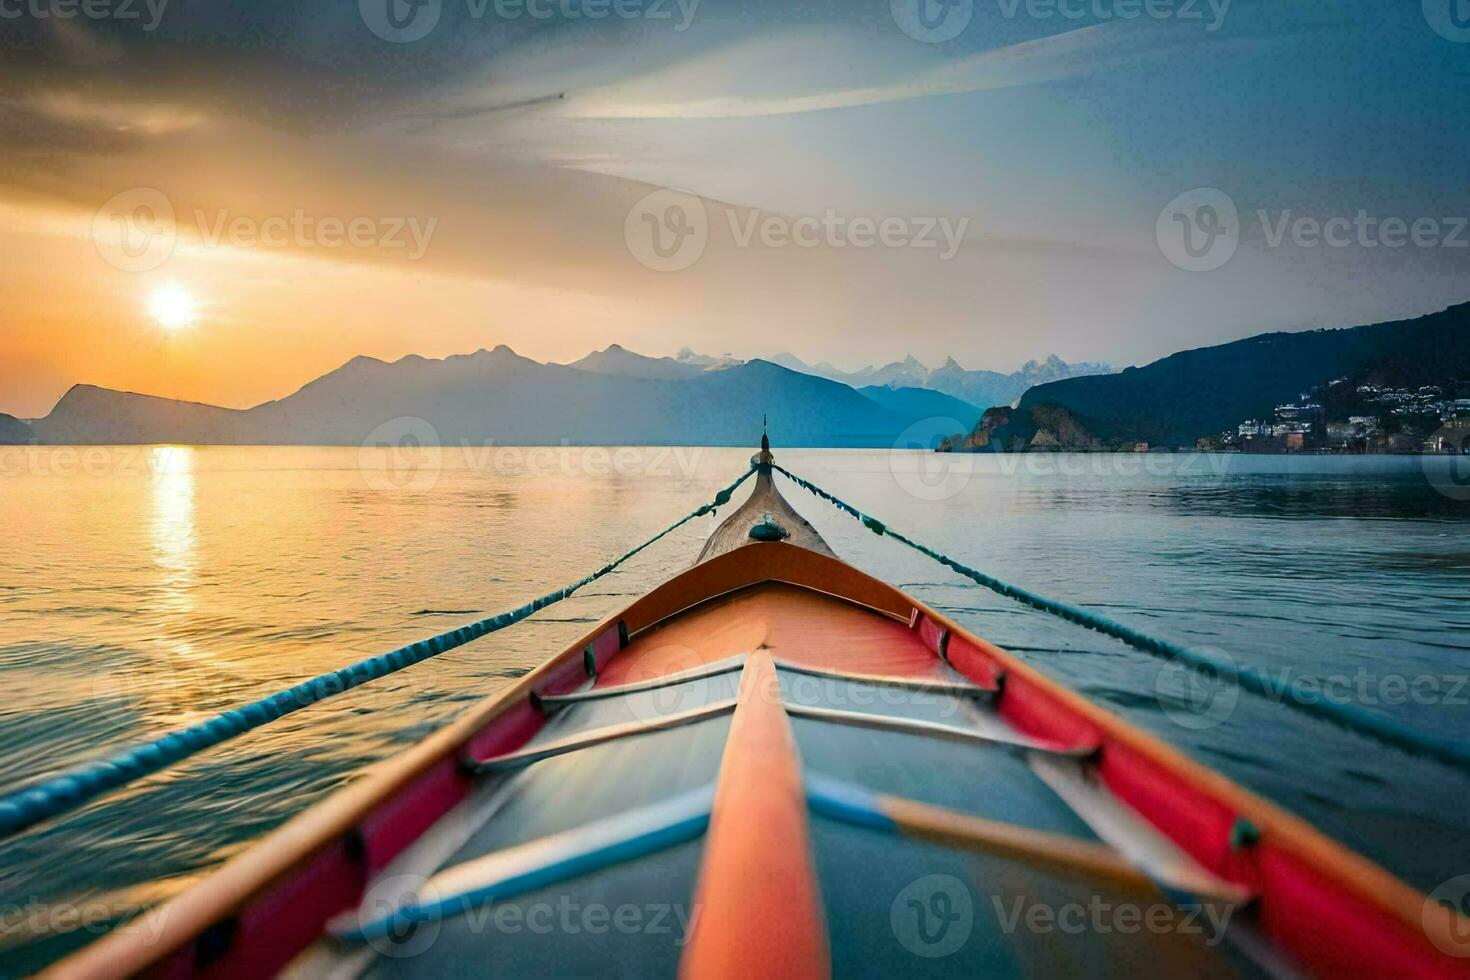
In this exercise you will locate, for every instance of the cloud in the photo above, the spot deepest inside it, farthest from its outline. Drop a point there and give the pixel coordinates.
(796, 70)
(148, 118)
(1038, 61)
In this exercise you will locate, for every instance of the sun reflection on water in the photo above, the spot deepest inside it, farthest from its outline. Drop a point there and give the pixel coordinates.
(173, 527)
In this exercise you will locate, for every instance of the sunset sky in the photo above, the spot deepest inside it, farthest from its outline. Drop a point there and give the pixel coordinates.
(516, 148)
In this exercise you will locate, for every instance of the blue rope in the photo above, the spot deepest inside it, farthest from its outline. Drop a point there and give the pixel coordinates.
(1348, 716)
(33, 804)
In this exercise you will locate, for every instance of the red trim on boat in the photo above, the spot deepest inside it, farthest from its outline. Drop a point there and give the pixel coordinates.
(1039, 713)
(1302, 904)
(403, 818)
(289, 916)
(931, 634)
(969, 660)
(606, 646)
(1332, 933)
(759, 911)
(270, 930)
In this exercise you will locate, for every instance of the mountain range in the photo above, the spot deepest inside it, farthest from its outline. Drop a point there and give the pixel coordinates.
(615, 396)
(610, 397)
(981, 388)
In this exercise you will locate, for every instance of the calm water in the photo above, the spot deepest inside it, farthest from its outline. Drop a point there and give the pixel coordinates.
(142, 589)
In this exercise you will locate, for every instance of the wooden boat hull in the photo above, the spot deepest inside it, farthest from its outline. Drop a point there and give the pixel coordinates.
(790, 609)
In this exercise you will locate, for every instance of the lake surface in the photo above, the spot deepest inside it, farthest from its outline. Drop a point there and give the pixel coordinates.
(146, 588)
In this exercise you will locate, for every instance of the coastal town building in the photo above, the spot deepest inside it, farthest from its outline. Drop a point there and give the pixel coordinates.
(1386, 420)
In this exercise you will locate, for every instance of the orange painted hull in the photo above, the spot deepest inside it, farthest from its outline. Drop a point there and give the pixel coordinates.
(1331, 911)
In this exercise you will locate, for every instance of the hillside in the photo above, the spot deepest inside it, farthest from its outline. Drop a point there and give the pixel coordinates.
(1005, 429)
(922, 403)
(88, 415)
(1180, 398)
(498, 397)
(13, 431)
(621, 361)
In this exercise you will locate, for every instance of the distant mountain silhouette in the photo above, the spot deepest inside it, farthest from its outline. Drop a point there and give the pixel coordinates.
(621, 361)
(909, 372)
(88, 415)
(497, 396)
(13, 430)
(615, 396)
(687, 356)
(982, 389)
(922, 403)
(1178, 399)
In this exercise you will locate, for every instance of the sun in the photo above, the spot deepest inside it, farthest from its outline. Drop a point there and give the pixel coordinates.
(172, 307)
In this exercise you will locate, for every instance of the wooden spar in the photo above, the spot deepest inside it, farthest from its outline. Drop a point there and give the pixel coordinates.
(760, 910)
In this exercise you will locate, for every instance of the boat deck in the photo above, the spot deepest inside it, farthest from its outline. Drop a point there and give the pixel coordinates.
(883, 899)
(775, 765)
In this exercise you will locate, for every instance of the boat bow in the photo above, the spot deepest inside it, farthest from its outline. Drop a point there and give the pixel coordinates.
(832, 773)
